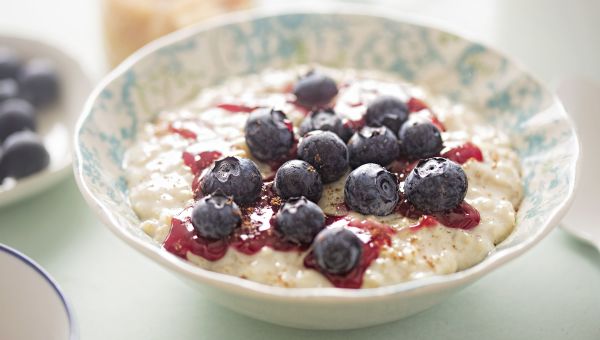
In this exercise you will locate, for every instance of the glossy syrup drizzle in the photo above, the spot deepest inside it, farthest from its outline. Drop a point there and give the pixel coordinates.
(257, 231)
(373, 236)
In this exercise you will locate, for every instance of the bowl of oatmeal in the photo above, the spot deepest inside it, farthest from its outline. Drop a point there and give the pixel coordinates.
(314, 165)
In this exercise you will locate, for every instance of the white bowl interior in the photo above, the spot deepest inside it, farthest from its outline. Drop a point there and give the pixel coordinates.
(32, 305)
(56, 123)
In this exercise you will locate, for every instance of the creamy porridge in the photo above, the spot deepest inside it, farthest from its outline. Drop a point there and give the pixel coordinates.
(173, 154)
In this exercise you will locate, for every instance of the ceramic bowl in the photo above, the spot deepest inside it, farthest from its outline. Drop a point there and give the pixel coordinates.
(55, 123)
(33, 306)
(171, 69)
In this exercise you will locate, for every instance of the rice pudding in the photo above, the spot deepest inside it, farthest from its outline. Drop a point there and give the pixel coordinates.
(167, 171)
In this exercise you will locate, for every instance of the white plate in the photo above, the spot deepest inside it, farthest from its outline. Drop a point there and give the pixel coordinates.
(32, 305)
(580, 97)
(56, 123)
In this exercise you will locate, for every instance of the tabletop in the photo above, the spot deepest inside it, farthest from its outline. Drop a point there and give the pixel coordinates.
(551, 292)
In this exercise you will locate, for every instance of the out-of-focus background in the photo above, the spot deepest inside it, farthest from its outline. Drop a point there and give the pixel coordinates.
(552, 292)
(553, 38)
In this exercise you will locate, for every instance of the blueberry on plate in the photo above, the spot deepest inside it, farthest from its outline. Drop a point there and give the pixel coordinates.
(216, 216)
(269, 134)
(419, 138)
(233, 176)
(373, 145)
(326, 152)
(299, 220)
(325, 120)
(297, 178)
(315, 89)
(371, 190)
(15, 115)
(24, 155)
(337, 250)
(9, 62)
(39, 83)
(8, 89)
(387, 111)
(436, 185)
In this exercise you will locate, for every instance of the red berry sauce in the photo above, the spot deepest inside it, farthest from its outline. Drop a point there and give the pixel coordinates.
(257, 230)
(418, 106)
(200, 161)
(463, 153)
(184, 129)
(465, 216)
(355, 124)
(373, 235)
(236, 107)
(197, 162)
(426, 221)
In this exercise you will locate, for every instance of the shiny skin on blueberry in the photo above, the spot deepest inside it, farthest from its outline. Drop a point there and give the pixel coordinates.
(268, 134)
(10, 63)
(39, 83)
(371, 190)
(233, 176)
(315, 89)
(326, 152)
(24, 155)
(337, 250)
(297, 178)
(9, 88)
(436, 185)
(299, 220)
(373, 145)
(216, 216)
(16, 115)
(419, 138)
(387, 111)
(325, 120)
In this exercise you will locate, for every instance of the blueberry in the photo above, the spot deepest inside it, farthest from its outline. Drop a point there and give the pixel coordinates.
(337, 250)
(8, 89)
(387, 111)
(373, 145)
(436, 185)
(299, 220)
(326, 152)
(325, 120)
(24, 155)
(419, 138)
(216, 216)
(234, 176)
(268, 134)
(9, 63)
(371, 190)
(315, 89)
(297, 178)
(15, 115)
(39, 82)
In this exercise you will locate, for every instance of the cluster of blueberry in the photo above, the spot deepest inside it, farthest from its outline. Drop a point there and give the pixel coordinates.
(326, 150)
(25, 87)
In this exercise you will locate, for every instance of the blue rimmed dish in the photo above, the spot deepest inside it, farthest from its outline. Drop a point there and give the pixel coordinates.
(170, 70)
(33, 305)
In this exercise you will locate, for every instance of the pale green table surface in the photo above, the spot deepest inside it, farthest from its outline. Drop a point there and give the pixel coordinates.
(551, 292)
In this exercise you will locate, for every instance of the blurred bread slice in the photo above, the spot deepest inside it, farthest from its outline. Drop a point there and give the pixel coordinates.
(130, 24)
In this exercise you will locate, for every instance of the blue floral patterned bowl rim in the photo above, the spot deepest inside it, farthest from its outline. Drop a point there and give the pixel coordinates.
(230, 283)
(73, 330)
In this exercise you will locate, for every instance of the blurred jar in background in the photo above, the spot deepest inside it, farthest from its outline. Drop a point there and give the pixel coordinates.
(130, 24)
